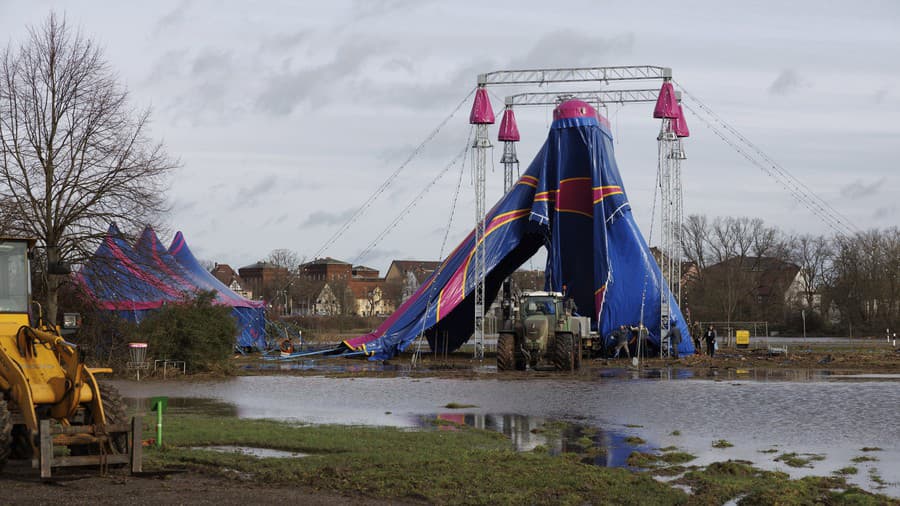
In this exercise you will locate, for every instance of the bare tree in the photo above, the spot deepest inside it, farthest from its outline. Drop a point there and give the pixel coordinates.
(286, 258)
(695, 240)
(813, 254)
(73, 154)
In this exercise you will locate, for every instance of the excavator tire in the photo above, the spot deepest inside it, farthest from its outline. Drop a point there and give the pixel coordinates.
(114, 407)
(564, 351)
(506, 351)
(5, 434)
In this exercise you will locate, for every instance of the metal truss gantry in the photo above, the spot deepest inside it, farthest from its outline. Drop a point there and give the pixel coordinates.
(482, 143)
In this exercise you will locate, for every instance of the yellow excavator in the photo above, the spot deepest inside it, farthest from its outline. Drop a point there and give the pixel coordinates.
(52, 409)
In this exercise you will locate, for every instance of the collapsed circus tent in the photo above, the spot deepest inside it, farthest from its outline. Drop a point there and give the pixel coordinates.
(570, 200)
(133, 281)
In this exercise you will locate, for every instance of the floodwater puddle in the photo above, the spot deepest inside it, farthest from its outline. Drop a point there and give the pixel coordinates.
(802, 412)
(262, 453)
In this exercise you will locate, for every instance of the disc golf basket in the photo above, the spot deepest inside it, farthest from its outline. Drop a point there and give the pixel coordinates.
(138, 362)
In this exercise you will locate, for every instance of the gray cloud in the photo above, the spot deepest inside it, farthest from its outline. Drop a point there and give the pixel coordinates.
(879, 95)
(264, 184)
(566, 48)
(320, 218)
(787, 82)
(172, 19)
(364, 9)
(285, 42)
(884, 212)
(316, 85)
(858, 189)
(212, 61)
(380, 256)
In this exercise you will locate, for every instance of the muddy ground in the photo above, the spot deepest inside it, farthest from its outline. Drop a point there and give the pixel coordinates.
(867, 358)
(21, 485)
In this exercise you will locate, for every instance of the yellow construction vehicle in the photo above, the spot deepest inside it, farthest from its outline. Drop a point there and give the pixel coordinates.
(52, 409)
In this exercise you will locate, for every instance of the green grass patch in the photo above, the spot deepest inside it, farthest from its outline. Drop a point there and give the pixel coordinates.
(794, 459)
(722, 481)
(876, 478)
(677, 457)
(584, 442)
(770, 450)
(870, 449)
(675, 433)
(424, 466)
(846, 471)
(668, 448)
(721, 443)
(863, 458)
(457, 405)
(635, 441)
(642, 460)
(633, 426)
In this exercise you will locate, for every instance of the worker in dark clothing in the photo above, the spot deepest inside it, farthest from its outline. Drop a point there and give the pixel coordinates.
(711, 341)
(695, 334)
(621, 339)
(675, 337)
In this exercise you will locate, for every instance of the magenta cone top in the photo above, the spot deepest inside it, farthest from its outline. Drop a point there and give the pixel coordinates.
(679, 124)
(574, 109)
(509, 131)
(666, 104)
(481, 114)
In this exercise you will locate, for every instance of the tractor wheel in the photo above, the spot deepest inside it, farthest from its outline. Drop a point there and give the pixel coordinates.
(114, 408)
(22, 448)
(5, 434)
(521, 364)
(576, 342)
(506, 351)
(564, 351)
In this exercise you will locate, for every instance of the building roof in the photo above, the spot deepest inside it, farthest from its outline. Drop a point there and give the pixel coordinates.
(261, 265)
(326, 260)
(421, 269)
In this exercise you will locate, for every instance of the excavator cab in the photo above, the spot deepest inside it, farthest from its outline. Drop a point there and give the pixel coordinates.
(48, 396)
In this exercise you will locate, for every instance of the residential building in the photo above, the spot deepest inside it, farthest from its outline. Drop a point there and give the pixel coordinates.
(231, 279)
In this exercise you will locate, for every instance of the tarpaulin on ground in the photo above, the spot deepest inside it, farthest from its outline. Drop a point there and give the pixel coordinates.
(135, 281)
(570, 200)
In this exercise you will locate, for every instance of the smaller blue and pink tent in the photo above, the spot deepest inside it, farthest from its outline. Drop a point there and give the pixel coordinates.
(133, 281)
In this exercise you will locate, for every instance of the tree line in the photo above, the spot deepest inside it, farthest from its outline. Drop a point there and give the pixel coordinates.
(742, 269)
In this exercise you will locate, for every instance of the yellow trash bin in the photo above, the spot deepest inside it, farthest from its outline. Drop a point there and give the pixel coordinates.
(742, 338)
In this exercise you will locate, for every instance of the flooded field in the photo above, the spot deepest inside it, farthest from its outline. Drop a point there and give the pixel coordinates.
(763, 415)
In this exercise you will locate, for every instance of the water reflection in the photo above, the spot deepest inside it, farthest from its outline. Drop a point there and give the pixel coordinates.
(607, 448)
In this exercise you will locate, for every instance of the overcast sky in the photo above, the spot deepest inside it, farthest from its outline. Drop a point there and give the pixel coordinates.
(287, 115)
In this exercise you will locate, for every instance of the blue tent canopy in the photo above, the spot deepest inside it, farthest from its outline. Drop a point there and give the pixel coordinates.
(572, 201)
(134, 281)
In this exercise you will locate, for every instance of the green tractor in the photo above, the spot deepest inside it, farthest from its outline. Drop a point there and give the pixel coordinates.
(542, 334)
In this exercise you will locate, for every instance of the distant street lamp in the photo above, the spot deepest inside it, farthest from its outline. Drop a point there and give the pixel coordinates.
(803, 315)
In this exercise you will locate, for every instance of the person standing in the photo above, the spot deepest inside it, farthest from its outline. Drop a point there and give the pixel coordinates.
(696, 331)
(621, 336)
(675, 337)
(711, 341)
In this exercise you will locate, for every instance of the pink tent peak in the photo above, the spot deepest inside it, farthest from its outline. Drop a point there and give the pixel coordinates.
(481, 114)
(666, 104)
(509, 131)
(679, 124)
(574, 109)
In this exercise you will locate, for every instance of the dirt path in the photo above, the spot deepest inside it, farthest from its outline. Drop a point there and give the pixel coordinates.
(21, 485)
